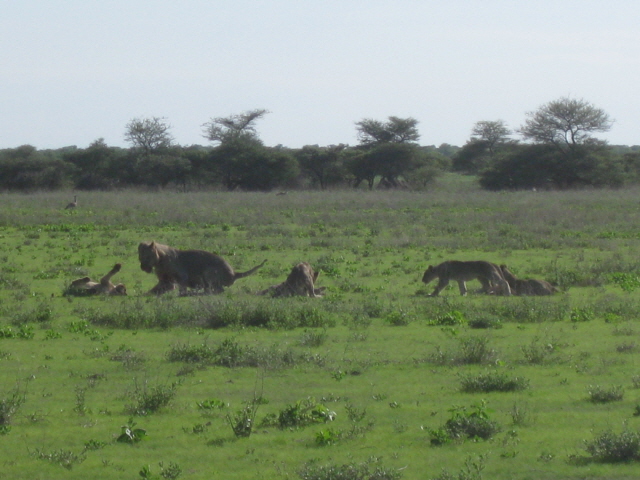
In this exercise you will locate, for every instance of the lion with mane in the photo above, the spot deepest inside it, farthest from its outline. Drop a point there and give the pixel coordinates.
(194, 269)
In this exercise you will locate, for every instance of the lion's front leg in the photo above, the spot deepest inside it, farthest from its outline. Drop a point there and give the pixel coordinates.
(463, 287)
(162, 287)
(441, 285)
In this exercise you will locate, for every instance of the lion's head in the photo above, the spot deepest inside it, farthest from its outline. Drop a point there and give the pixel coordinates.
(429, 274)
(119, 289)
(148, 256)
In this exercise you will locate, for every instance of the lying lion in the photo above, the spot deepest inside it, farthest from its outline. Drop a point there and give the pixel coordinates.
(489, 274)
(85, 286)
(195, 269)
(300, 282)
(527, 286)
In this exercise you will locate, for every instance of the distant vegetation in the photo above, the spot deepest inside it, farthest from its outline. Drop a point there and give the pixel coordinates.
(560, 153)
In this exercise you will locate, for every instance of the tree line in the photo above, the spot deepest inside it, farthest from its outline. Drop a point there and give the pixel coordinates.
(558, 150)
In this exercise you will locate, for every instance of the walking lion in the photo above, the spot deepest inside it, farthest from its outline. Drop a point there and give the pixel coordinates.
(85, 286)
(487, 273)
(300, 282)
(195, 269)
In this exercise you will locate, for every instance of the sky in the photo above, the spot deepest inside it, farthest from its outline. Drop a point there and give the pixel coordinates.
(74, 71)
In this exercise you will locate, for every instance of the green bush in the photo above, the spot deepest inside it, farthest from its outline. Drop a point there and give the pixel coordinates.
(370, 470)
(300, 414)
(609, 447)
(492, 382)
(465, 423)
(598, 394)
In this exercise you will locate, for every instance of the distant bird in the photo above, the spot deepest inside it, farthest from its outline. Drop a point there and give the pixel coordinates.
(282, 193)
(73, 204)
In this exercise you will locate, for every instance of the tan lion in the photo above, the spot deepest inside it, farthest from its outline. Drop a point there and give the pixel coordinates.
(527, 286)
(300, 282)
(487, 273)
(187, 269)
(85, 286)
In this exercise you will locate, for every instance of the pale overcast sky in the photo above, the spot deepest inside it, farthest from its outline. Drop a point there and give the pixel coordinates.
(73, 71)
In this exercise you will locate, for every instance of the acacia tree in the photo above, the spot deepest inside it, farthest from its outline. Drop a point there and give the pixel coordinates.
(390, 150)
(564, 153)
(150, 135)
(492, 133)
(395, 130)
(234, 128)
(566, 124)
(241, 160)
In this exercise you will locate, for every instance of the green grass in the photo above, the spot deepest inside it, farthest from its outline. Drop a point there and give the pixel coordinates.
(376, 351)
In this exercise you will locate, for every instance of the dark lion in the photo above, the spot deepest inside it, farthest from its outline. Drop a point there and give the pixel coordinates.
(527, 286)
(85, 286)
(194, 269)
(300, 282)
(487, 273)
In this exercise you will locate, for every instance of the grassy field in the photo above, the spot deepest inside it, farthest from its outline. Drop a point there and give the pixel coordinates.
(375, 380)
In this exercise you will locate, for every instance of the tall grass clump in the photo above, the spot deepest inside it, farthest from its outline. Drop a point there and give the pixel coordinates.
(284, 314)
(372, 469)
(492, 382)
(531, 310)
(471, 350)
(9, 406)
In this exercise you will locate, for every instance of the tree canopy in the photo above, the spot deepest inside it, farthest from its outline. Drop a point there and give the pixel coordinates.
(565, 123)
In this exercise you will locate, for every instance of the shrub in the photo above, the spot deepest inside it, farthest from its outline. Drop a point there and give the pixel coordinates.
(472, 423)
(369, 470)
(310, 338)
(9, 405)
(492, 382)
(300, 414)
(485, 322)
(243, 420)
(609, 447)
(451, 318)
(598, 394)
(537, 352)
(150, 399)
(475, 350)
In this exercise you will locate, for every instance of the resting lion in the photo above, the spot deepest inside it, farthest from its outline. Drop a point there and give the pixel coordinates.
(300, 282)
(85, 286)
(487, 273)
(187, 268)
(527, 286)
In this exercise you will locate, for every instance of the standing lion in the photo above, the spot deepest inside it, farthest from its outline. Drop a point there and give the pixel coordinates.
(300, 282)
(187, 269)
(487, 273)
(85, 286)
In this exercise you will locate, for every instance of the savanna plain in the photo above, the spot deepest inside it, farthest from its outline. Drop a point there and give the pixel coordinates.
(375, 380)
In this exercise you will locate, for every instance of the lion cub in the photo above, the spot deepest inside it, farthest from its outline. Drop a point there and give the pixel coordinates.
(527, 286)
(487, 273)
(300, 282)
(86, 286)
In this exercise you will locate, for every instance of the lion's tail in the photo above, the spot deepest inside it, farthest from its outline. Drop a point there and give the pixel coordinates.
(238, 275)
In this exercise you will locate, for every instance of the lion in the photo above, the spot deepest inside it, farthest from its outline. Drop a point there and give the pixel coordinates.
(489, 274)
(527, 286)
(85, 286)
(193, 269)
(300, 282)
